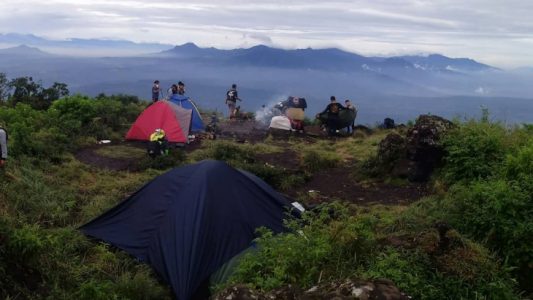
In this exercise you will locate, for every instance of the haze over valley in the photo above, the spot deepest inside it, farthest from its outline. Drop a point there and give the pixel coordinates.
(400, 87)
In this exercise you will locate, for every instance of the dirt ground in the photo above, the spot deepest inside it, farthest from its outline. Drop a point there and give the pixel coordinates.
(324, 186)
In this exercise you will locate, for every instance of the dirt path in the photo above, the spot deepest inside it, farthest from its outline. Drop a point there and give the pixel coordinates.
(324, 186)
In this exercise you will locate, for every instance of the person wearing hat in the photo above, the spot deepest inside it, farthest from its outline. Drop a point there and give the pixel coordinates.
(3, 146)
(156, 90)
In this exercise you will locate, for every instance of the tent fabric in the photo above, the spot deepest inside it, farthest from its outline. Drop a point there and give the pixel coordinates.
(280, 122)
(191, 220)
(197, 124)
(173, 119)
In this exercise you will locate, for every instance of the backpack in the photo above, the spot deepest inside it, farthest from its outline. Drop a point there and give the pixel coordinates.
(334, 108)
(388, 123)
(231, 95)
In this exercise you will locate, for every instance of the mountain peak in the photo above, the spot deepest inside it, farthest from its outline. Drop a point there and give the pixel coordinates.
(23, 50)
(189, 45)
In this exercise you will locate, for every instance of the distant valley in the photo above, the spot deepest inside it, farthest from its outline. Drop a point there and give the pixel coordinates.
(399, 87)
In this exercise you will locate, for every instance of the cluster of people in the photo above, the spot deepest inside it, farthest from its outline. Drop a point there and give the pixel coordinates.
(332, 118)
(175, 89)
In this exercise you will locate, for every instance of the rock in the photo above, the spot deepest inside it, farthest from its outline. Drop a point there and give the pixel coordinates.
(423, 149)
(416, 155)
(339, 290)
(391, 149)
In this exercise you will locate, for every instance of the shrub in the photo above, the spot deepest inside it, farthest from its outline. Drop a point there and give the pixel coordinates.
(330, 245)
(474, 150)
(499, 213)
(315, 160)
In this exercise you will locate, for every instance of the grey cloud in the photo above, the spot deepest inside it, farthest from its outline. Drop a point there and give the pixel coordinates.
(446, 26)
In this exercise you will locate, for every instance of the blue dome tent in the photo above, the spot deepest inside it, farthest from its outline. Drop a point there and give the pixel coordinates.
(184, 101)
(190, 221)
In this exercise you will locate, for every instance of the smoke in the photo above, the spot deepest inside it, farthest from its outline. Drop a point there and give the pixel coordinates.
(264, 114)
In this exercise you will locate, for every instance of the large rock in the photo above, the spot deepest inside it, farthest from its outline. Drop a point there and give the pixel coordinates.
(423, 150)
(416, 155)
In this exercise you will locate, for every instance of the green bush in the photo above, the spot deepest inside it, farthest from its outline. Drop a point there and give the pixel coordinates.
(499, 213)
(315, 160)
(330, 245)
(424, 276)
(474, 150)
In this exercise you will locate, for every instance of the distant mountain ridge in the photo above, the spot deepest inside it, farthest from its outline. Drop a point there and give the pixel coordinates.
(324, 59)
(24, 50)
(400, 86)
(260, 55)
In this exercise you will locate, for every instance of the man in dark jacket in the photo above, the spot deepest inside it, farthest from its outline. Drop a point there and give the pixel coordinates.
(333, 110)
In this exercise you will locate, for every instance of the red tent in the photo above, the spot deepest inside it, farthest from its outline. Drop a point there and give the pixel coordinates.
(173, 119)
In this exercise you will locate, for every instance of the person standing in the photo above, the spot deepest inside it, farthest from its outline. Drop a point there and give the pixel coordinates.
(3, 146)
(181, 88)
(351, 107)
(231, 100)
(156, 91)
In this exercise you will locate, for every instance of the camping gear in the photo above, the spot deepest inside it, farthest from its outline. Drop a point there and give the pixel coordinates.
(280, 122)
(197, 124)
(388, 123)
(295, 114)
(190, 221)
(345, 119)
(173, 119)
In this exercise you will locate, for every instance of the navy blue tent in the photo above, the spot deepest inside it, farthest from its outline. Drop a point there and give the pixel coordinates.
(189, 221)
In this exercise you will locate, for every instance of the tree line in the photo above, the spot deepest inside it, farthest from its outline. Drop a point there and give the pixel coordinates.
(26, 90)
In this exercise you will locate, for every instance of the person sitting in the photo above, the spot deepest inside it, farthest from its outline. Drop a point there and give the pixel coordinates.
(158, 143)
(333, 110)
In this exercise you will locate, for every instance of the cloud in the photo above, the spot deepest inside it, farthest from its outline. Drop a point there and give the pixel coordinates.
(490, 30)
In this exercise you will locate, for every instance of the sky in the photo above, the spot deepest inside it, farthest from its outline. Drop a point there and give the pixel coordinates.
(496, 32)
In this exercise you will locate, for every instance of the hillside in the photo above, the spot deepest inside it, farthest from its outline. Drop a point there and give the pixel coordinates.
(372, 226)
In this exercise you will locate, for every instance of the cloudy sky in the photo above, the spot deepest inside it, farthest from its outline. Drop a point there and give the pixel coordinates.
(497, 32)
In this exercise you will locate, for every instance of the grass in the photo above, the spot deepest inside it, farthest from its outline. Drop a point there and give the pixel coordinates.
(121, 152)
(42, 204)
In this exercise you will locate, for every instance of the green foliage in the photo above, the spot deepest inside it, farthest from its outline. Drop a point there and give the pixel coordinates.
(331, 244)
(474, 150)
(65, 125)
(315, 160)
(424, 276)
(492, 202)
(33, 93)
(175, 158)
(499, 213)
(225, 151)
